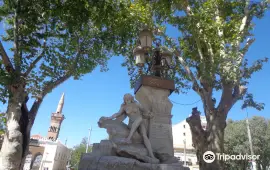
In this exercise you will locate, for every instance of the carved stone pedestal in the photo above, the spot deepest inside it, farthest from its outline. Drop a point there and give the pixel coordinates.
(104, 148)
(90, 161)
(153, 92)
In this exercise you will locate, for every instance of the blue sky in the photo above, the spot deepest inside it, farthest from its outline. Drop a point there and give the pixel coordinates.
(100, 94)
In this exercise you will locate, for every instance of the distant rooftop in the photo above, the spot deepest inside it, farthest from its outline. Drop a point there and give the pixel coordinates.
(37, 139)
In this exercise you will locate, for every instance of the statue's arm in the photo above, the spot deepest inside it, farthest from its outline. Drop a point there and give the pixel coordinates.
(118, 114)
(122, 118)
(146, 113)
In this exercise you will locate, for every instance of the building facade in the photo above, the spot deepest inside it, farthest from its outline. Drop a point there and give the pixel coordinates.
(48, 153)
(182, 142)
(45, 154)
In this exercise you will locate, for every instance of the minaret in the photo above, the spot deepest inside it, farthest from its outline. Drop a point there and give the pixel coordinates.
(60, 104)
(56, 120)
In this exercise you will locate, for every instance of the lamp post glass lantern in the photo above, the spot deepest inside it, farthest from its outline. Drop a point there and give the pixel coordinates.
(146, 39)
(161, 60)
(167, 56)
(139, 56)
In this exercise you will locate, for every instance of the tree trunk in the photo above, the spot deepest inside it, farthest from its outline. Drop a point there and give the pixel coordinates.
(210, 140)
(264, 167)
(29, 119)
(25, 148)
(12, 149)
(24, 124)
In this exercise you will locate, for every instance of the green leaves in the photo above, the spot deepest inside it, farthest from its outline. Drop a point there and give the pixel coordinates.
(249, 102)
(236, 141)
(69, 38)
(3, 121)
(256, 66)
(77, 151)
(212, 40)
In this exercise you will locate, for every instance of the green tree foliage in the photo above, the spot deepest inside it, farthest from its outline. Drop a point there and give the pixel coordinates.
(52, 42)
(209, 57)
(2, 122)
(236, 141)
(77, 151)
(210, 50)
(56, 39)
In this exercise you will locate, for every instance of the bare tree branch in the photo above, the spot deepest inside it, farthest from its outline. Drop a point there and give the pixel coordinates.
(177, 53)
(199, 47)
(17, 57)
(56, 83)
(220, 33)
(243, 24)
(238, 92)
(249, 42)
(47, 89)
(33, 111)
(241, 33)
(226, 103)
(189, 73)
(5, 58)
(33, 64)
(210, 50)
(207, 97)
(189, 13)
(60, 80)
(244, 20)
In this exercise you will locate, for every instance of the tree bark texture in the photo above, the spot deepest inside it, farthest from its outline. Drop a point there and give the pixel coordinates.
(31, 115)
(211, 139)
(24, 123)
(13, 148)
(19, 124)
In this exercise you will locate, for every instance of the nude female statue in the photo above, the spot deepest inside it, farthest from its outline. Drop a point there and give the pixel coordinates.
(134, 111)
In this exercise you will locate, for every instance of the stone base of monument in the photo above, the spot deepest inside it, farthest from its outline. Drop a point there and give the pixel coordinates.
(106, 155)
(117, 153)
(109, 148)
(90, 161)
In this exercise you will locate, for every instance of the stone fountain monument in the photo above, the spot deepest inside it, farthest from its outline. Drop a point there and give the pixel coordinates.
(146, 143)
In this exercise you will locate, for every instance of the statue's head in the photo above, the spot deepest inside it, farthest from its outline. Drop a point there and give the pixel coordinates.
(128, 98)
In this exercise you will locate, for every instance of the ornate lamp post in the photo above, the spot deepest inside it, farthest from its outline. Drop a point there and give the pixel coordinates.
(153, 90)
(160, 61)
(139, 54)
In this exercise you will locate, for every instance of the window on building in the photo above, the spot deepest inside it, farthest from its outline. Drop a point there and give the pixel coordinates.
(184, 126)
(184, 134)
(37, 161)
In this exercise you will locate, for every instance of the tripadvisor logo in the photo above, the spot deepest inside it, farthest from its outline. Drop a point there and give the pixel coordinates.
(210, 157)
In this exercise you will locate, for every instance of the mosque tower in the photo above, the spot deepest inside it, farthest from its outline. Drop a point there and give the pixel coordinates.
(56, 120)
